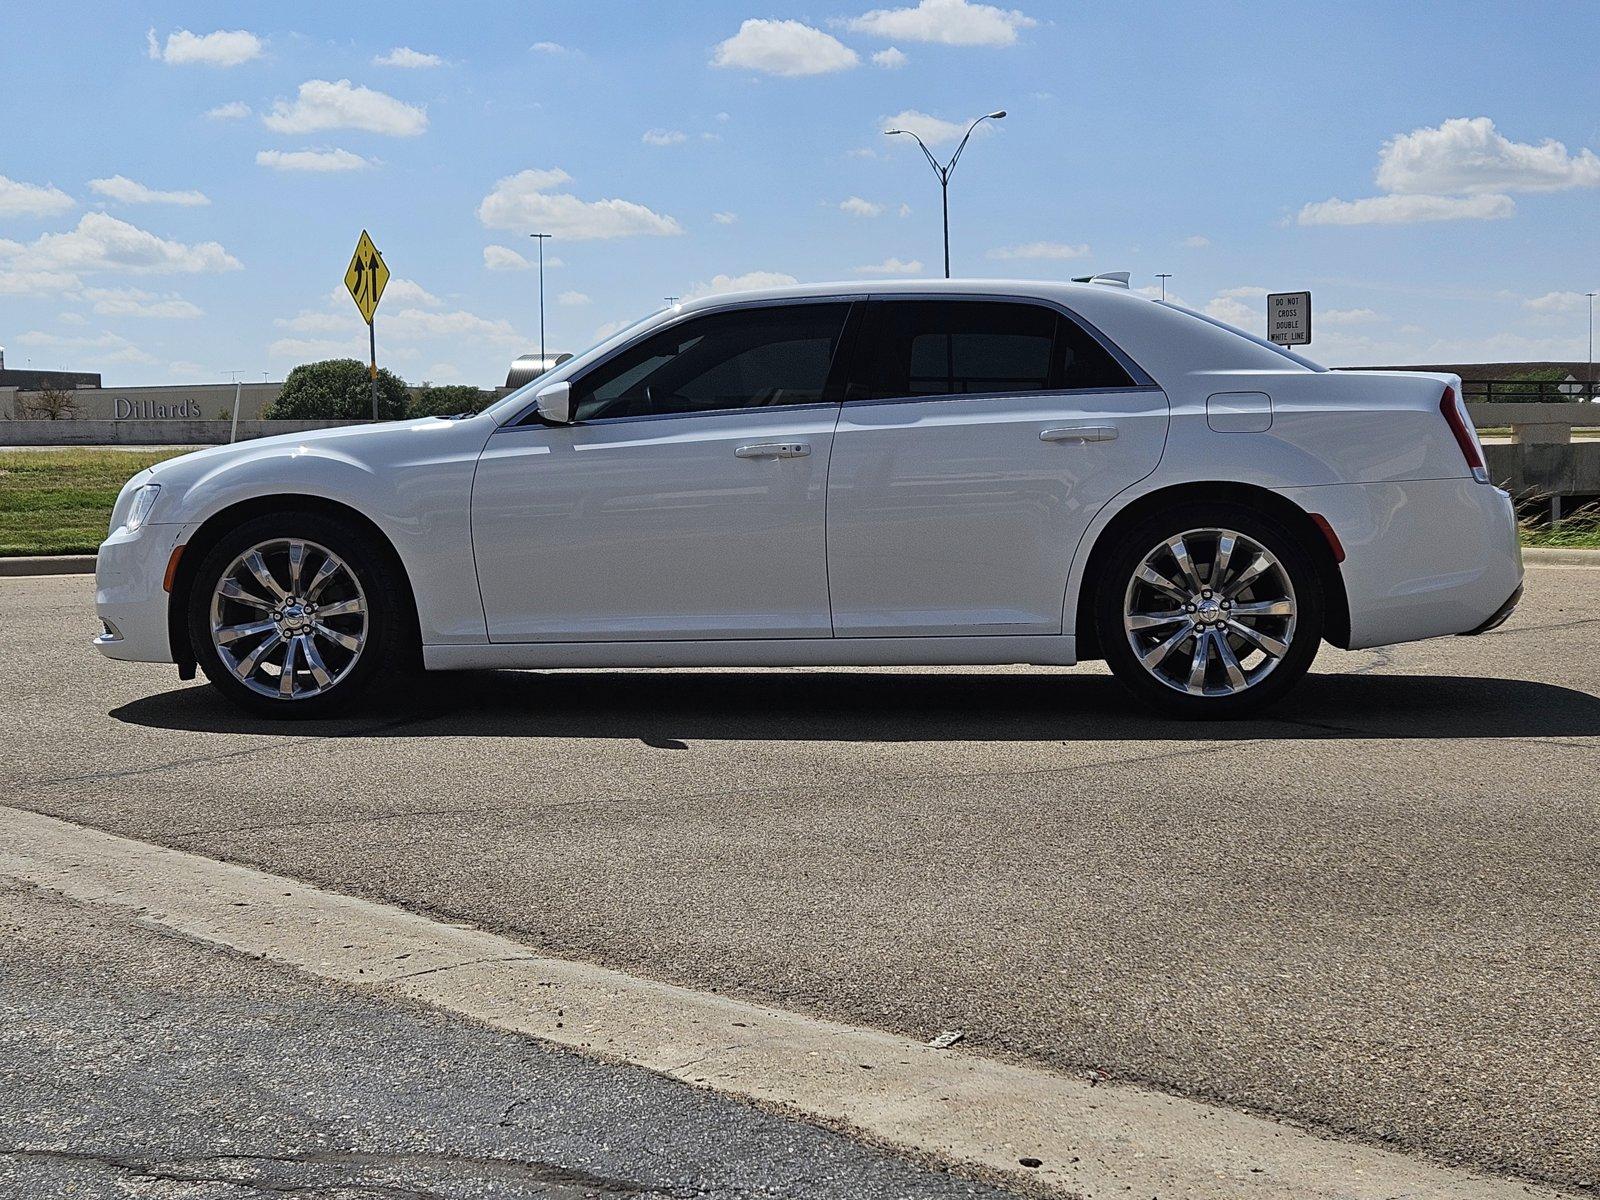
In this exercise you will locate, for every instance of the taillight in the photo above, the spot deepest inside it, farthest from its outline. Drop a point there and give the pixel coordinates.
(1455, 415)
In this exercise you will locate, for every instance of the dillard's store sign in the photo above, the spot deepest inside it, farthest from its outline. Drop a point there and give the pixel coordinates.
(145, 409)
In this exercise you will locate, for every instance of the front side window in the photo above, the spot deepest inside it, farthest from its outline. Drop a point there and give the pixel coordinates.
(979, 347)
(750, 358)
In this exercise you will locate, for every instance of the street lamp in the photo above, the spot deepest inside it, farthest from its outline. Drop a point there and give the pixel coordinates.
(1589, 377)
(944, 172)
(1163, 276)
(540, 238)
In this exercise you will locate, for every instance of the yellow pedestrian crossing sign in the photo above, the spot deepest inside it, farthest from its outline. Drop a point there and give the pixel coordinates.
(366, 277)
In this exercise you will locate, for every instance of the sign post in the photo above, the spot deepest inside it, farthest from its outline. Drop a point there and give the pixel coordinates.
(365, 278)
(1289, 318)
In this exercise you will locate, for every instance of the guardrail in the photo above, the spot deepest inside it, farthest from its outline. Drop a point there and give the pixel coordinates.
(1542, 462)
(1528, 391)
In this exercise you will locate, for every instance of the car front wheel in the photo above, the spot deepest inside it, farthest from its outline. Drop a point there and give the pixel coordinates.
(1210, 611)
(296, 615)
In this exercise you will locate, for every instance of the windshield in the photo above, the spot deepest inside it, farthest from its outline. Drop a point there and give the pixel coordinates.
(513, 401)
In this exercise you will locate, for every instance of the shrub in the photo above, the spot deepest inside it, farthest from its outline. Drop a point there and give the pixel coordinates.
(448, 400)
(337, 389)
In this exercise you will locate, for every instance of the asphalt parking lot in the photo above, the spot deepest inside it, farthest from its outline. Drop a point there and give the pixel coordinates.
(1377, 911)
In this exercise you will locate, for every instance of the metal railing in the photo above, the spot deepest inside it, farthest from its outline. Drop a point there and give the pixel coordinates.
(1528, 391)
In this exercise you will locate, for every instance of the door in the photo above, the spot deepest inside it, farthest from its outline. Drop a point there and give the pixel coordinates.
(688, 498)
(977, 440)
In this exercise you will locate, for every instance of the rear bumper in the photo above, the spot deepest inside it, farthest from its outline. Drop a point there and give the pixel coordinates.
(128, 594)
(1499, 617)
(1424, 558)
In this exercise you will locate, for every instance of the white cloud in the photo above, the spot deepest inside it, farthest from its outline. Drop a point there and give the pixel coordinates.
(184, 369)
(234, 110)
(1244, 293)
(949, 22)
(35, 283)
(724, 218)
(905, 210)
(308, 349)
(442, 371)
(892, 266)
(787, 48)
(411, 323)
(1557, 302)
(224, 48)
(1344, 316)
(31, 199)
(890, 59)
(740, 283)
(1234, 311)
(407, 291)
(549, 48)
(324, 105)
(572, 299)
(525, 201)
(862, 152)
(503, 258)
(857, 207)
(664, 137)
(1406, 210)
(311, 160)
(1469, 156)
(405, 56)
(723, 117)
(132, 302)
(106, 347)
(340, 321)
(1028, 250)
(103, 243)
(932, 130)
(1196, 241)
(71, 318)
(121, 188)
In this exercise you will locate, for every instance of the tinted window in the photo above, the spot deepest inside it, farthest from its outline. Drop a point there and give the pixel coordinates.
(750, 358)
(972, 347)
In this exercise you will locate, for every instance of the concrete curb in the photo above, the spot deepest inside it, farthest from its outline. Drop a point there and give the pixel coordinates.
(1023, 1124)
(1560, 556)
(48, 564)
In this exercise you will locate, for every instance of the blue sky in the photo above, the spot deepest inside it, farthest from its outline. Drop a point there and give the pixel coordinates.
(181, 185)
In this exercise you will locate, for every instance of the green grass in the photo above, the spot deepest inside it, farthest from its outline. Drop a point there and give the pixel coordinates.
(1581, 531)
(59, 501)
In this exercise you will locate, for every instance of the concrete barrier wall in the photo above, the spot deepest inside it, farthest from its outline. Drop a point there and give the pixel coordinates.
(145, 433)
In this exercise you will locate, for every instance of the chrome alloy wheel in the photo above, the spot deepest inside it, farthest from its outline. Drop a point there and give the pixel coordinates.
(289, 618)
(1210, 612)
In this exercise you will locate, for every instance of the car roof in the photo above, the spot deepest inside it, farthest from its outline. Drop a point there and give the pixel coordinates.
(1042, 289)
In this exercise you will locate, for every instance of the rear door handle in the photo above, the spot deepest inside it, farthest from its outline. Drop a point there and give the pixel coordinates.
(774, 450)
(1079, 433)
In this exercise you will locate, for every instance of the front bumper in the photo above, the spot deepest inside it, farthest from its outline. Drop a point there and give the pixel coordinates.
(128, 594)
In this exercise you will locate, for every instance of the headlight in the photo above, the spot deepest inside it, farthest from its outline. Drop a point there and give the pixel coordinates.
(143, 501)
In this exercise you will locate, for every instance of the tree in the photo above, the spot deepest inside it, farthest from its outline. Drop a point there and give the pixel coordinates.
(337, 389)
(448, 400)
(51, 404)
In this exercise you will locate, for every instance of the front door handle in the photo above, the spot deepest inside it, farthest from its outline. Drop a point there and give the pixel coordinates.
(774, 450)
(1079, 433)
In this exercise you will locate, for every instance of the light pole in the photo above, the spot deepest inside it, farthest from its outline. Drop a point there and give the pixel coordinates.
(540, 238)
(944, 172)
(1589, 375)
(1163, 276)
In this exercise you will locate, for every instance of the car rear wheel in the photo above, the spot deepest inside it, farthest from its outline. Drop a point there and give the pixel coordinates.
(295, 615)
(1210, 611)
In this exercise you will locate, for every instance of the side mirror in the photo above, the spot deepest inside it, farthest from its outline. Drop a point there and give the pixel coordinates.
(555, 403)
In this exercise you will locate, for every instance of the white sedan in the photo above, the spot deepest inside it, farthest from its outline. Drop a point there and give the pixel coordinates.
(889, 474)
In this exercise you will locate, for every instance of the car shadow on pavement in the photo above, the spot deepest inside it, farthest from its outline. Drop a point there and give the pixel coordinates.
(670, 709)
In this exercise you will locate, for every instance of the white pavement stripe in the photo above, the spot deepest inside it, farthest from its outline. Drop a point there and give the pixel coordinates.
(1093, 1141)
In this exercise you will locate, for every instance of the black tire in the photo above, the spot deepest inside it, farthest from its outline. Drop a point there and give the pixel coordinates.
(1115, 587)
(389, 648)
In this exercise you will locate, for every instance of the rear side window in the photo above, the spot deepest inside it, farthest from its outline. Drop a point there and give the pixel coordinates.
(749, 358)
(978, 347)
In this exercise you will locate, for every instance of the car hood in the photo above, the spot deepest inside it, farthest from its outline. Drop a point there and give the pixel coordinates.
(357, 441)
